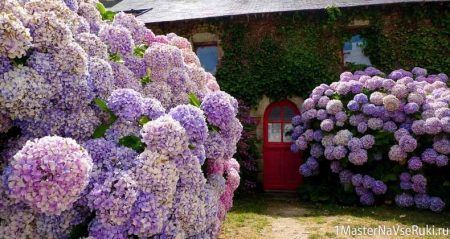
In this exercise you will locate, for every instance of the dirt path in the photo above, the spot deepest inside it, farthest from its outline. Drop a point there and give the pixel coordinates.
(283, 220)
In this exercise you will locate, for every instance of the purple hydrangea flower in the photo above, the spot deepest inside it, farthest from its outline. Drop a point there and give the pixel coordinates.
(436, 204)
(335, 167)
(367, 199)
(358, 157)
(126, 103)
(345, 176)
(390, 126)
(422, 201)
(396, 153)
(367, 141)
(414, 163)
(339, 152)
(441, 160)
(357, 180)
(442, 146)
(411, 108)
(165, 135)
(327, 125)
(219, 108)
(39, 174)
(193, 121)
(317, 150)
(408, 143)
(379, 187)
(429, 156)
(404, 200)
(334, 106)
(368, 181)
(296, 120)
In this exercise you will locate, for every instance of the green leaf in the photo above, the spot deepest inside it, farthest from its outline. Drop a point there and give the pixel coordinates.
(139, 50)
(115, 58)
(100, 131)
(143, 120)
(101, 8)
(133, 142)
(191, 146)
(102, 105)
(20, 61)
(213, 128)
(146, 80)
(193, 100)
(389, 177)
(109, 15)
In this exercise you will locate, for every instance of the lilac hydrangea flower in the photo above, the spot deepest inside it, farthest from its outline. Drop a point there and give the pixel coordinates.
(357, 180)
(404, 200)
(193, 121)
(165, 135)
(379, 187)
(422, 201)
(219, 108)
(442, 146)
(367, 199)
(358, 157)
(49, 158)
(126, 103)
(414, 163)
(436, 204)
(345, 176)
(335, 167)
(334, 106)
(429, 156)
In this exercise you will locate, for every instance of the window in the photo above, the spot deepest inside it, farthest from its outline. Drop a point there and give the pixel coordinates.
(353, 51)
(279, 124)
(209, 57)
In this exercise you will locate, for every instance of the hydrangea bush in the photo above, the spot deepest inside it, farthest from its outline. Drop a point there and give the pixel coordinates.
(108, 130)
(385, 137)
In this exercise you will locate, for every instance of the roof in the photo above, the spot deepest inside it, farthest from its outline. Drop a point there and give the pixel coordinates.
(175, 10)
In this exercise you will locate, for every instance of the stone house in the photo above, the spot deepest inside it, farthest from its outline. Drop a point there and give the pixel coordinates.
(205, 22)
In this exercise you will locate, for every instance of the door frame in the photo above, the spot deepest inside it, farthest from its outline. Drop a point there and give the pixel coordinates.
(267, 146)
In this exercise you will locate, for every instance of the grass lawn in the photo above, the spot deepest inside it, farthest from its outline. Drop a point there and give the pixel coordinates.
(262, 216)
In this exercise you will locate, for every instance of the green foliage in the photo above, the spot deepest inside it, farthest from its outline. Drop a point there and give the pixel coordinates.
(100, 131)
(305, 49)
(139, 50)
(133, 142)
(333, 13)
(146, 80)
(107, 15)
(143, 120)
(194, 100)
(418, 39)
(115, 58)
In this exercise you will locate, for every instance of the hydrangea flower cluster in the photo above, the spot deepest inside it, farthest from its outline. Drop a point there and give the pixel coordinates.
(109, 126)
(367, 120)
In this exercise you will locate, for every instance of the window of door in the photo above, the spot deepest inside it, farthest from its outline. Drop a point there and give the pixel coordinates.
(279, 126)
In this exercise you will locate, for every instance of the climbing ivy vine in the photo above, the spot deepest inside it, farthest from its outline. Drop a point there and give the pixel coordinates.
(305, 49)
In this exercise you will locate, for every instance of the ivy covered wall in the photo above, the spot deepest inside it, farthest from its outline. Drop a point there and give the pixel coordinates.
(282, 55)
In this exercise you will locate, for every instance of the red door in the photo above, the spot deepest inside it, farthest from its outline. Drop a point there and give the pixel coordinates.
(280, 164)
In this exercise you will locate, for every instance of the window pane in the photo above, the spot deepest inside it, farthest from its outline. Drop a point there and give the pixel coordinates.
(287, 131)
(353, 51)
(275, 114)
(274, 132)
(209, 58)
(288, 114)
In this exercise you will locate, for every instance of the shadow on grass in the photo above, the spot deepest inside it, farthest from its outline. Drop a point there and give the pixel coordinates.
(262, 204)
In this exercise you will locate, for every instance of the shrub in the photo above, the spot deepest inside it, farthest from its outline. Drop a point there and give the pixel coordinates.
(385, 138)
(108, 130)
